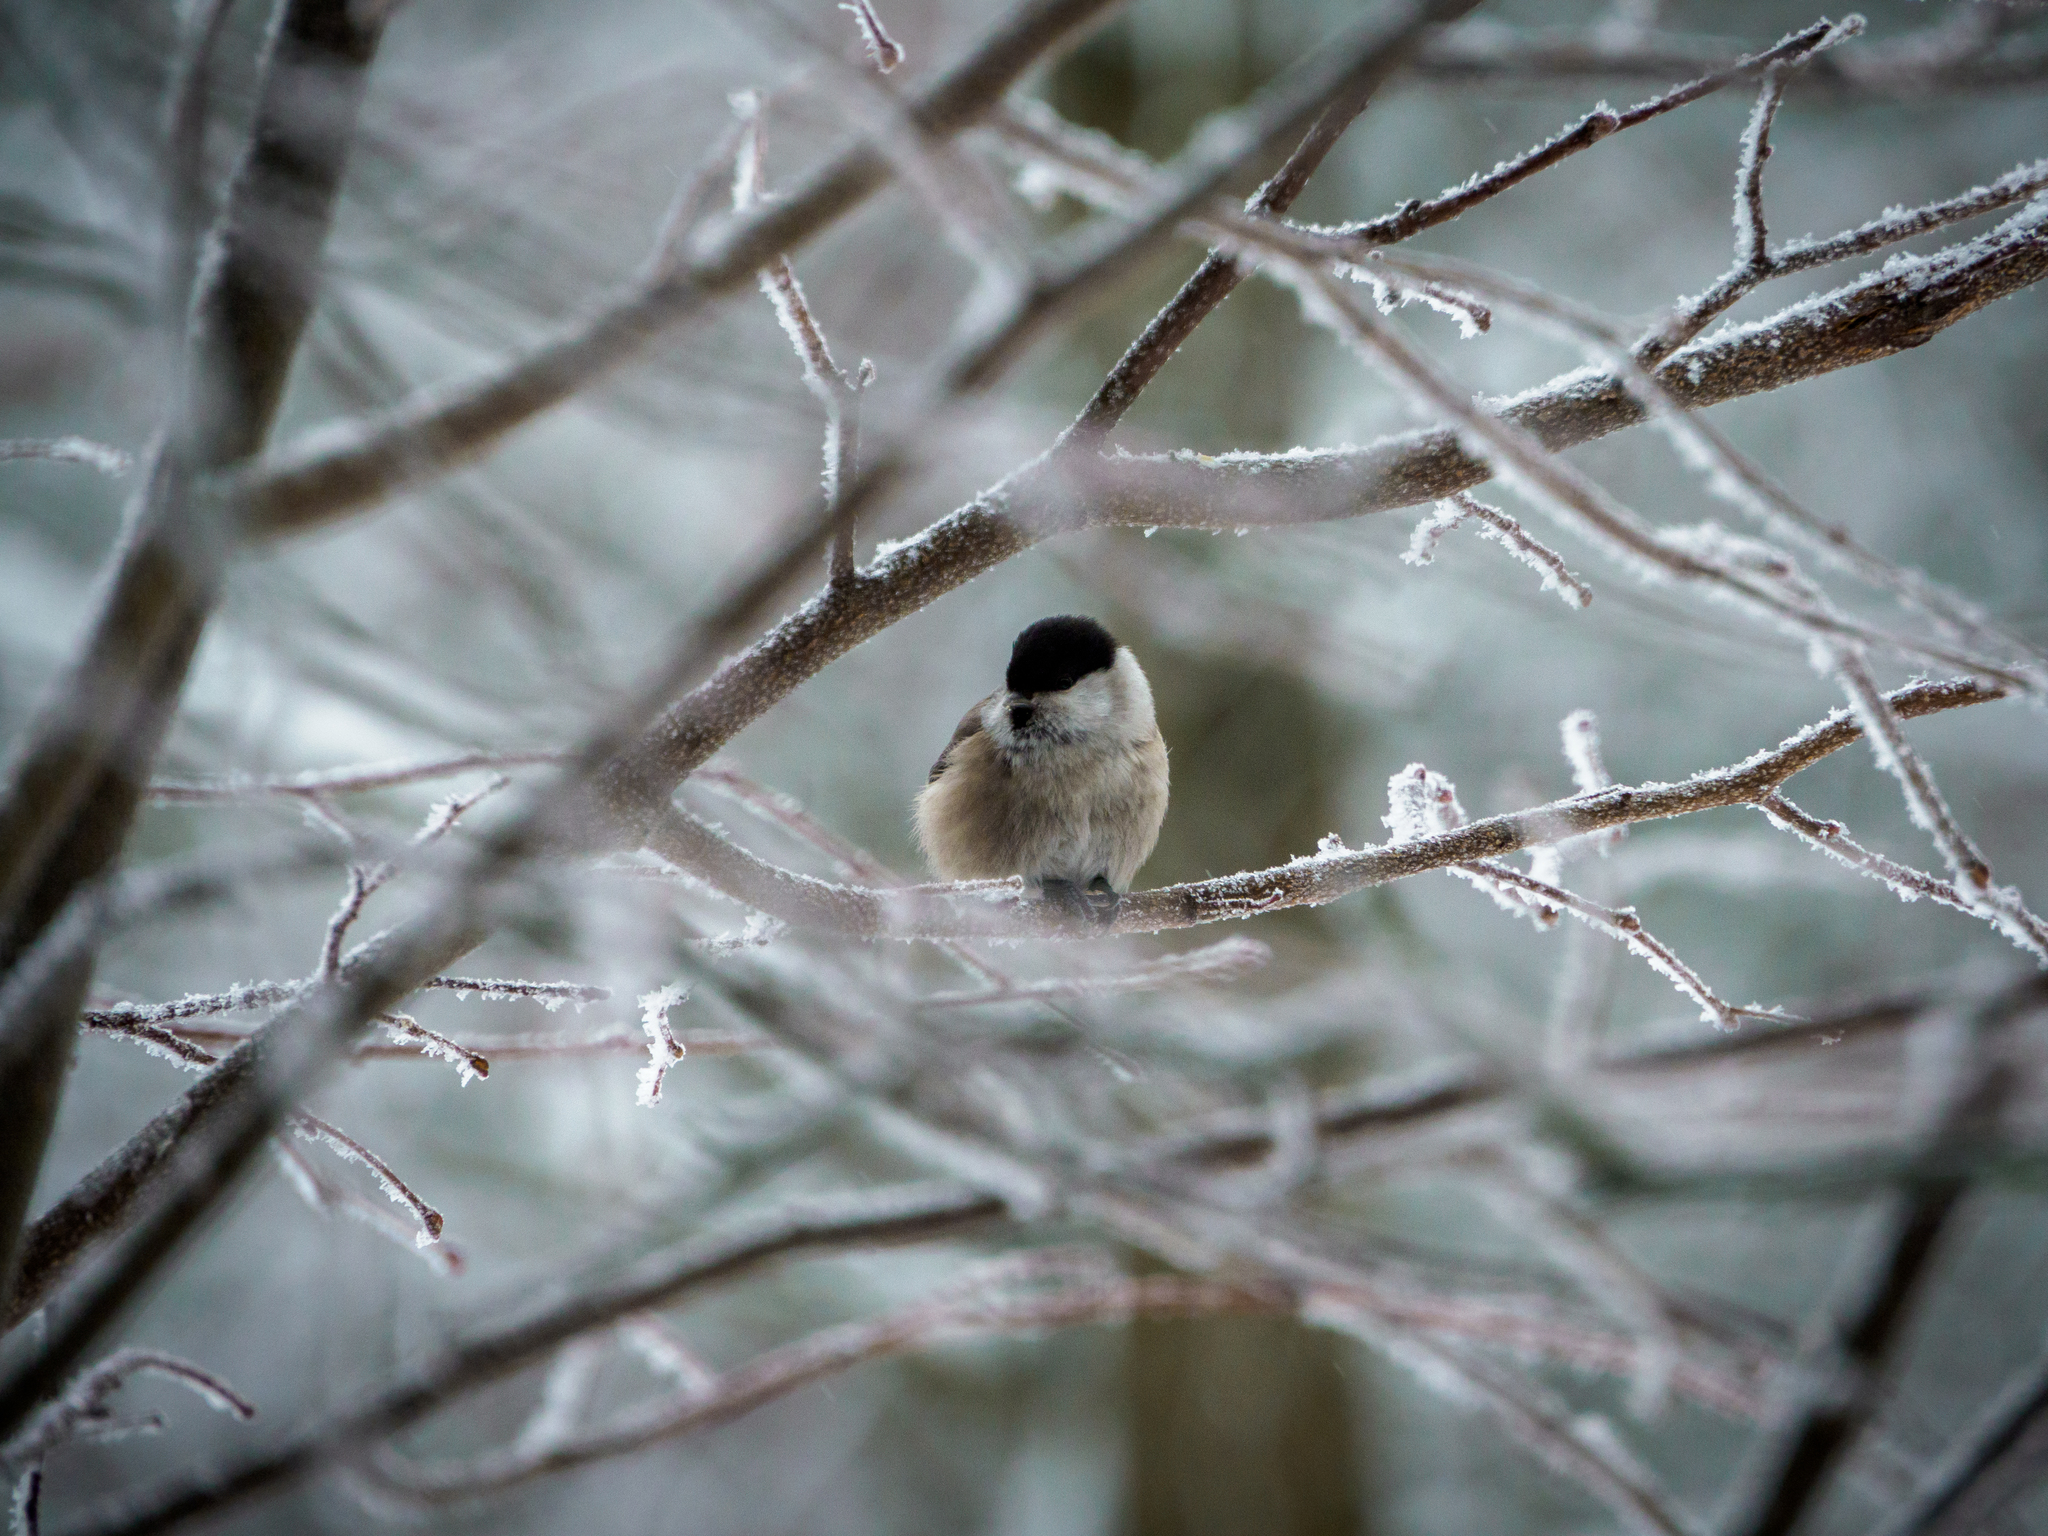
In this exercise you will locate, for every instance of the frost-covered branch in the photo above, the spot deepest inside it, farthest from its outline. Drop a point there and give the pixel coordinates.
(1423, 804)
(837, 390)
(342, 781)
(1934, 60)
(337, 471)
(1003, 908)
(1412, 218)
(779, 1371)
(1733, 476)
(1503, 529)
(82, 1407)
(884, 52)
(2001, 906)
(865, 1220)
(1216, 963)
(68, 450)
(1832, 838)
(313, 1128)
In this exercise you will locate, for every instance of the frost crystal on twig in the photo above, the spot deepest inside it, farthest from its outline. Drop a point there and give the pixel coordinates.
(468, 1064)
(664, 1050)
(1580, 731)
(885, 52)
(81, 1412)
(758, 932)
(1502, 529)
(1422, 803)
(2000, 905)
(551, 995)
(68, 450)
(312, 1128)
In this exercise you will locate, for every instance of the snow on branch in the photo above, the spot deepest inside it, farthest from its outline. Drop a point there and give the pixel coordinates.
(1732, 476)
(1832, 839)
(328, 1198)
(150, 1024)
(551, 995)
(468, 1063)
(1412, 217)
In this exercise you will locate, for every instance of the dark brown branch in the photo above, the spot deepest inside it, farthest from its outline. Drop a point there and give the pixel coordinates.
(73, 787)
(904, 1214)
(1996, 1459)
(1818, 1420)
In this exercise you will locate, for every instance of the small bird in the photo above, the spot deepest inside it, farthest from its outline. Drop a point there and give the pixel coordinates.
(1058, 776)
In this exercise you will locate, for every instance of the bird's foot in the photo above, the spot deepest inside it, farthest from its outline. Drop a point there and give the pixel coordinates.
(1095, 902)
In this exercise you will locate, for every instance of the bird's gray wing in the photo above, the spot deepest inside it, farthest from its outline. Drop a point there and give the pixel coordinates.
(970, 724)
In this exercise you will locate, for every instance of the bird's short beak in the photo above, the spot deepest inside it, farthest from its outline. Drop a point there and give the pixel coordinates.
(1021, 715)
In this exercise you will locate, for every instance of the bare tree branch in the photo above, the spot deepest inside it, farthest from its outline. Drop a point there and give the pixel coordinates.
(1992, 1462)
(1923, 62)
(1213, 281)
(318, 480)
(73, 784)
(1816, 1419)
(905, 1213)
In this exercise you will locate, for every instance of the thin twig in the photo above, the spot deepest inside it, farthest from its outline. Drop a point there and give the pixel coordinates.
(904, 1213)
(1997, 1457)
(1219, 274)
(883, 50)
(783, 1370)
(68, 450)
(324, 477)
(343, 781)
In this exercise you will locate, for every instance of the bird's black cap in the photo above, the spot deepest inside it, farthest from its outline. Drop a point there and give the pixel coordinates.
(1057, 653)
